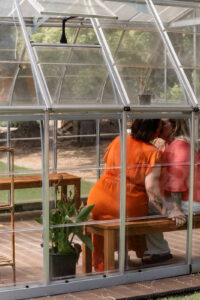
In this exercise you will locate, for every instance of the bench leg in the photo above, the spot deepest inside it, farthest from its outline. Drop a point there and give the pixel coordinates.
(109, 250)
(86, 257)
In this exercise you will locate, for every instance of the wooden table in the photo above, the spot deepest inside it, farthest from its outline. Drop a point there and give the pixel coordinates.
(35, 181)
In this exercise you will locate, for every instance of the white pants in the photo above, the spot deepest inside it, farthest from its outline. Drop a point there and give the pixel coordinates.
(156, 244)
(185, 207)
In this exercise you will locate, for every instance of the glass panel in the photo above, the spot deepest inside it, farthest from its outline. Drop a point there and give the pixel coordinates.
(53, 35)
(27, 245)
(26, 141)
(158, 169)
(147, 78)
(183, 45)
(87, 36)
(74, 8)
(17, 87)
(174, 92)
(8, 44)
(139, 12)
(184, 36)
(7, 9)
(18, 213)
(76, 75)
(91, 161)
(187, 22)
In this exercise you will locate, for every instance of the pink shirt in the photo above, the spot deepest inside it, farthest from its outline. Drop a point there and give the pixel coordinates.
(176, 172)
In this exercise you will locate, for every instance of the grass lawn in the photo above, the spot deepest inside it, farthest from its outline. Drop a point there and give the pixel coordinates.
(195, 296)
(34, 194)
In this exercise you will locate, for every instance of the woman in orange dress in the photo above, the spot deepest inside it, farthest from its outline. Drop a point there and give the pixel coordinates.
(142, 184)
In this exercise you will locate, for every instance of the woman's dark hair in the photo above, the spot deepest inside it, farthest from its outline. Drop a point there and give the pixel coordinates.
(144, 129)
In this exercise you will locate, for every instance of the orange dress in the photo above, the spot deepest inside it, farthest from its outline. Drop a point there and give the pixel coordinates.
(105, 194)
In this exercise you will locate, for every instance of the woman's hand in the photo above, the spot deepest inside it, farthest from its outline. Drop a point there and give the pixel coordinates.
(178, 216)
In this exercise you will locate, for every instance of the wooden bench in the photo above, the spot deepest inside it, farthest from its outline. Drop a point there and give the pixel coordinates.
(35, 181)
(110, 233)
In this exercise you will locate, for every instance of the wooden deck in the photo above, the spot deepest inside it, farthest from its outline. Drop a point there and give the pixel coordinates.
(29, 257)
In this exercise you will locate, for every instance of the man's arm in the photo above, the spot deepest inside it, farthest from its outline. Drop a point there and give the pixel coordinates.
(153, 191)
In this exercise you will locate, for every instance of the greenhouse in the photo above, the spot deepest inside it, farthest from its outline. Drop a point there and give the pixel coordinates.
(80, 80)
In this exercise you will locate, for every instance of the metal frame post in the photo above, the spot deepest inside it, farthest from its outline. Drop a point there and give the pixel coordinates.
(123, 194)
(195, 56)
(98, 147)
(45, 193)
(191, 191)
(38, 73)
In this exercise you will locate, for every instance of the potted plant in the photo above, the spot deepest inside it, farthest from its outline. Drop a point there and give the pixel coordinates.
(64, 251)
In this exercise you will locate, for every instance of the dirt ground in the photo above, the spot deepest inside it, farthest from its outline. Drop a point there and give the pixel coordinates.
(71, 158)
(76, 155)
(74, 159)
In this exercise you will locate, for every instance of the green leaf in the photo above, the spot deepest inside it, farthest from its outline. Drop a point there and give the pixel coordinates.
(67, 219)
(61, 236)
(72, 209)
(86, 240)
(84, 214)
(65, 247)
(39, 220)
(56, 218)
(62, 207)
(54, 235)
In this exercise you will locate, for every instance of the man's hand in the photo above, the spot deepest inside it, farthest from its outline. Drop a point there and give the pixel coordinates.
(178, 216)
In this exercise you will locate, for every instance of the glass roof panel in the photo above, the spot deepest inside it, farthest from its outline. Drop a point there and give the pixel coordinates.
(7, 9)
(17, 86)
(86, 8)
(76, 75)
(185, 44)
(142, 63)
(95, 8)
(139, 12)
(187, 22)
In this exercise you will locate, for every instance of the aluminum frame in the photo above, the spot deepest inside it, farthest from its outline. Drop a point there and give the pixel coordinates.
(191, 191)
(40, 80)
(96, 112)
(180, 3)
(96, 282)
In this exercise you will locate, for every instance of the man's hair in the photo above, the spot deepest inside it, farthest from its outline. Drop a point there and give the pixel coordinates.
(144, 129)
